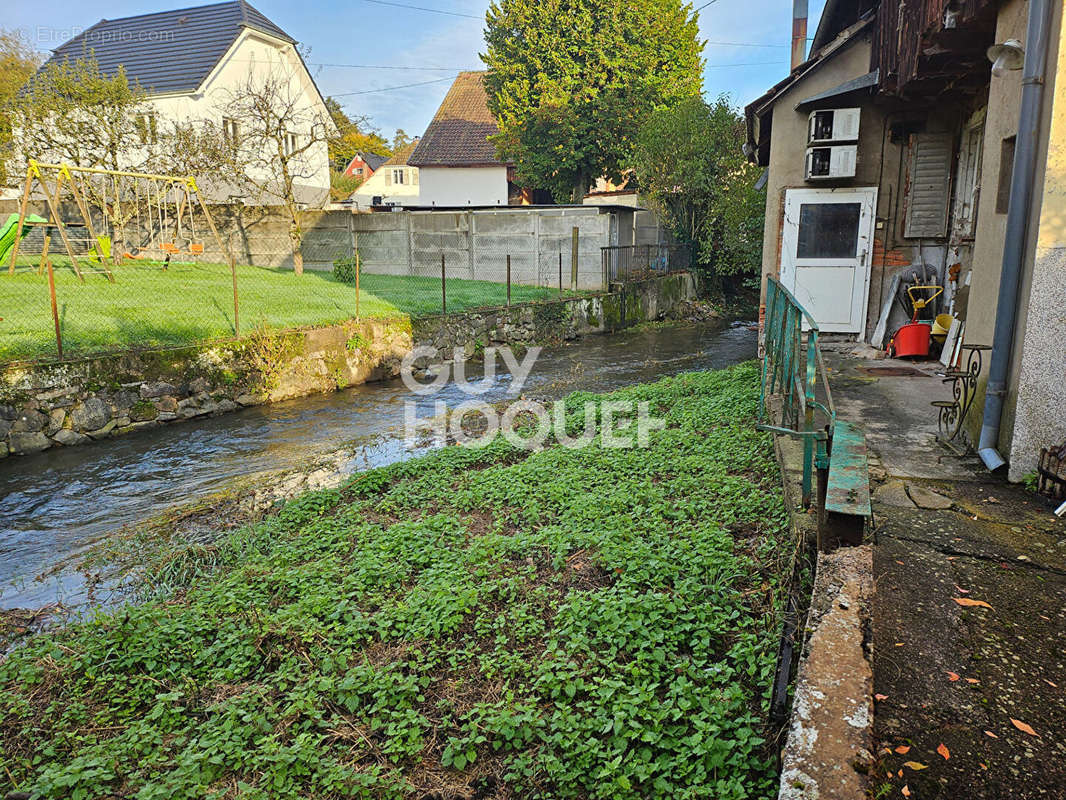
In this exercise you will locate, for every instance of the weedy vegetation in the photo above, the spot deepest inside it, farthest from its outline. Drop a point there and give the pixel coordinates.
(568, 623)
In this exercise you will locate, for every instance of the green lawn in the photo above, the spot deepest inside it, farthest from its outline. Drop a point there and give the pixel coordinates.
(586, 623)
(147, 306)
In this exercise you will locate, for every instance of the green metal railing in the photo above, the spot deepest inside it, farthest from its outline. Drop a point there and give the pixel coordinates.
(795, 398)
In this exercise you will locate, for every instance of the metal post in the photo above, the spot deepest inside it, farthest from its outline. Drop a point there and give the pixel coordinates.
(560, 272)
(573, 258)
(508, 279)
(357, 284)
(443, 291)
(55, 309)
(603, 266)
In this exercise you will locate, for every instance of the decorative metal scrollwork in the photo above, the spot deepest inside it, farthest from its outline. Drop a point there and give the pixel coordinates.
(963, 391)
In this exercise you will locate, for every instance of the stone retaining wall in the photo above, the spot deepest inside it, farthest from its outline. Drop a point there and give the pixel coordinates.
(76, 402)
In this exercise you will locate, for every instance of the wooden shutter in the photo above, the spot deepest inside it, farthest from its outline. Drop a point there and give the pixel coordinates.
(388, 177)
(929, 185)
(414, 176)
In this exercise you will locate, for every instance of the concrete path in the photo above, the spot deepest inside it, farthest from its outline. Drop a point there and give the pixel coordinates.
(970, 698)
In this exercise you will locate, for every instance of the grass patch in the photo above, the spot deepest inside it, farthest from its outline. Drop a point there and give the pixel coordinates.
(187, 303)
(594, 623)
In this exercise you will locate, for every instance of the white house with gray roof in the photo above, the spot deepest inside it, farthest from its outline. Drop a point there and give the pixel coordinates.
(191, 61)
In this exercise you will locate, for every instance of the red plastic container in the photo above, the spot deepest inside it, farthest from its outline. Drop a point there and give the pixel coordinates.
(913, 340)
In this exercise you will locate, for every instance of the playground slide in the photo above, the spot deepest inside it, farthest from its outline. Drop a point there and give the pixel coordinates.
(7, 232)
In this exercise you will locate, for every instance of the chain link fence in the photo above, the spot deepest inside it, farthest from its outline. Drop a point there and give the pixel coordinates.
(52, 306)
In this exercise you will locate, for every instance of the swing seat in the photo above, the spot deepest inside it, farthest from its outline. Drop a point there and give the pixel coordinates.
(170, 247)
(196, 248)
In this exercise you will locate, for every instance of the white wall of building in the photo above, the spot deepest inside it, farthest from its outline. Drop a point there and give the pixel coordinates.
(255, 56)
(463, 186)
(381, 185)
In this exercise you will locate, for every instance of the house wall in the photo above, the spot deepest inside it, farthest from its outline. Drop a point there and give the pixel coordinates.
(463, 186)
(882, 161)
(256, 56)
(407, 194)
(877, 164)
(1038, 375)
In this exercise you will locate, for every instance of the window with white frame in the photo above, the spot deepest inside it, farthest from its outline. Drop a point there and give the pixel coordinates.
(399, 176)
(290, 143)
(968, 176)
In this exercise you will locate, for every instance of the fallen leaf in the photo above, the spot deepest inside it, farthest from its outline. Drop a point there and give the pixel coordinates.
(900, 563)
(989, 733)
(914, 765)
(966, 601)
(953, 676)
(901, 773)
(903, 749)
(899, 644)
(960, 590)
(880, 697)
(983, 765)
(1022, 726)
(943, 750)
(1052, 685)
(906, 791)
(972, 680)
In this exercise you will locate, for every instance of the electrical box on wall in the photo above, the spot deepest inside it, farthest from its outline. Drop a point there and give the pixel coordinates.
(828, 163)
(833, 125)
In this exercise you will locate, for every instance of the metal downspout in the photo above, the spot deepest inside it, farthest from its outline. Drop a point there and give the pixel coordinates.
(1018, 212)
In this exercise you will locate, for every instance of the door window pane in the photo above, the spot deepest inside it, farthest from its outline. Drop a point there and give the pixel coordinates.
(828, 230)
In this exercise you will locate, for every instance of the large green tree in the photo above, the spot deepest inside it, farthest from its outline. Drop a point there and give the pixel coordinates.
(570, 81)
(692, 171)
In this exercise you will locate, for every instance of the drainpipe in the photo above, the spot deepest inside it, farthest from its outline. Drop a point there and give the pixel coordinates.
(799, 32)
(1018, 212)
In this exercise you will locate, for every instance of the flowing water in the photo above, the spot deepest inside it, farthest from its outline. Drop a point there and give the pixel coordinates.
(55, 504)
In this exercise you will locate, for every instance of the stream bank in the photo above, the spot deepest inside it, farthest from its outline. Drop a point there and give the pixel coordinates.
(59, 504)
(77, 402)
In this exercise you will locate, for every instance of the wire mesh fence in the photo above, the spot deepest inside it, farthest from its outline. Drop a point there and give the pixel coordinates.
(639, 261)
(51, 306)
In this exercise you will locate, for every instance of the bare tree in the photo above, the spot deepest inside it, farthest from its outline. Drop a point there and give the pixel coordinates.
(281, 143)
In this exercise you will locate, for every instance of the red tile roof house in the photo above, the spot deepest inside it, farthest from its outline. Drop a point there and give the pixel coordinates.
(457, 163)
(363, 165)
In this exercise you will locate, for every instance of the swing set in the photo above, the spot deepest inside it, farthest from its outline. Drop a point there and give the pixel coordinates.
(116, 216)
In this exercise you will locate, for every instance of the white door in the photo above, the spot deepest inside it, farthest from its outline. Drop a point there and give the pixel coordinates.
(827, 243)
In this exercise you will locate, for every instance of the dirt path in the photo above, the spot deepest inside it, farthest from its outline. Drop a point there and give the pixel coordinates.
(952, 678)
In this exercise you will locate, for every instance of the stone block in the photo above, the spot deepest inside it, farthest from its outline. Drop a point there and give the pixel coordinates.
(69, 438)
(29, 442)
(90, 415)
(30, 421)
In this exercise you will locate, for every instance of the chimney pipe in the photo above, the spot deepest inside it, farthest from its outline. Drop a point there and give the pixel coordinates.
(799, 32)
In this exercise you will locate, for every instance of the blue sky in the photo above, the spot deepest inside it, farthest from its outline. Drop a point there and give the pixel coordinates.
(358, 47)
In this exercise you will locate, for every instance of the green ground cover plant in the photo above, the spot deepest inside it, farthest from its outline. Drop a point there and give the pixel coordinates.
(147, 306)
(568, 623)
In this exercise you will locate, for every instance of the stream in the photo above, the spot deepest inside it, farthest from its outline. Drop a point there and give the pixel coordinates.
(56, 504)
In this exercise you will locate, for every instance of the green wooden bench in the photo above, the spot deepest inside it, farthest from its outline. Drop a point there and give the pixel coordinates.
(845, 489)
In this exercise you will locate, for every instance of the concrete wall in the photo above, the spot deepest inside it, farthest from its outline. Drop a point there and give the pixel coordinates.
(463, 186)
(81, 401)
(476, 244)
